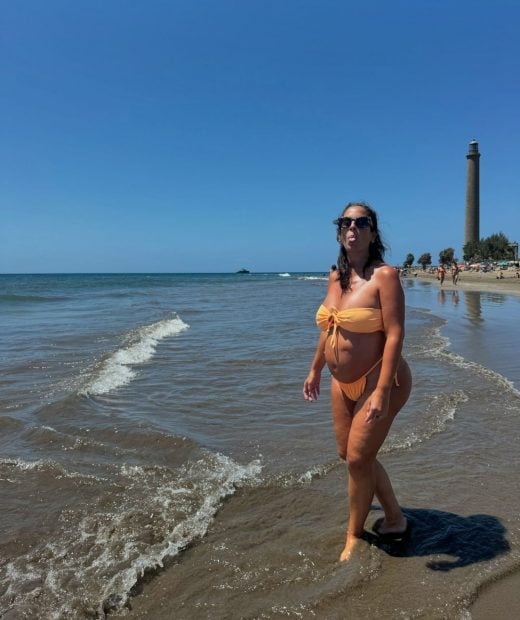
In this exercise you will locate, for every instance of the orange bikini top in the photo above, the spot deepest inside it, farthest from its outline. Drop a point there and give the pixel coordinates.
(358, 320)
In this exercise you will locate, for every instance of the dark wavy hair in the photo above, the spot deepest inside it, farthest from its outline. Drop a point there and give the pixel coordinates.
(376, 249)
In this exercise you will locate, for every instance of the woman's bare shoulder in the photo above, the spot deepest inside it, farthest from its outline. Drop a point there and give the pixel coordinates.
(333, 279)
(333, 289)
(386, 273)
(385, 270)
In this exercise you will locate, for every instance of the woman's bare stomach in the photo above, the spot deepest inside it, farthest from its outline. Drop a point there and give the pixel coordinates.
(355, 355)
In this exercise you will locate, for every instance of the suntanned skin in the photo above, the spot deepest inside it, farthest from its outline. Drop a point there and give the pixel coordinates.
(361, 427)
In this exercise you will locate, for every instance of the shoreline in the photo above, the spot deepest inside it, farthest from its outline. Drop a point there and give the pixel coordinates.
(501, 597)
(473, 281)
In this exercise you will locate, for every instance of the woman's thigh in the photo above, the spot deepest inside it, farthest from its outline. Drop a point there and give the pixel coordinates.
(365, 439)
(342, 412)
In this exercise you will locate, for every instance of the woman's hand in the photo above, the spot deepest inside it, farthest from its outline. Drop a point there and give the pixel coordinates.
(311, 386)
(377, 406)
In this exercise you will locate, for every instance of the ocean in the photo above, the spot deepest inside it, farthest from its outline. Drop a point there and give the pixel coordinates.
(157, 459)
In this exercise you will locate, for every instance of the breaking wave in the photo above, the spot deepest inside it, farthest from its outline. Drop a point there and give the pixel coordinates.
(117, 369)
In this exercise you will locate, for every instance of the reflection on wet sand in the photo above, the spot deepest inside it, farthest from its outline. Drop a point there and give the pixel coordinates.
(453, 295)
(473, 306)
(472, 299)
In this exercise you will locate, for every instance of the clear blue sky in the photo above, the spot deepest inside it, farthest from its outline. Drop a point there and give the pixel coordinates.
(197, 135)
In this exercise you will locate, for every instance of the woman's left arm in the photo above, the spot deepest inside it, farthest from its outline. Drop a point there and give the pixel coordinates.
(391, 297)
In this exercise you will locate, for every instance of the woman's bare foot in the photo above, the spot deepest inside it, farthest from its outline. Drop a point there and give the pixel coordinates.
(351, 544)
(385, 527)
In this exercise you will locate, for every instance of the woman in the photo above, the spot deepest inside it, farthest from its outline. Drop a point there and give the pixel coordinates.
(455, 273)
(441, 273)
(362, 318)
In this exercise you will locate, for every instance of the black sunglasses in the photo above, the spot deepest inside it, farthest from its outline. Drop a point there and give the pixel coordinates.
(360, 222)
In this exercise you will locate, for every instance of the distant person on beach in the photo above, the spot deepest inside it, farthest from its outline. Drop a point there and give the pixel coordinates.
(455, 273)
(441, 273)
(362, 323)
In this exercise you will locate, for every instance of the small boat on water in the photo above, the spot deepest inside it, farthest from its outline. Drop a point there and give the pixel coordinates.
(243, 270)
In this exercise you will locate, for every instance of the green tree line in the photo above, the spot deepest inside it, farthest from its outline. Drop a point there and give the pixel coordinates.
(495, 247)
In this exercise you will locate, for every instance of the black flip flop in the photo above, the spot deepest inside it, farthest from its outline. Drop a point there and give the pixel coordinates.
(391, 536)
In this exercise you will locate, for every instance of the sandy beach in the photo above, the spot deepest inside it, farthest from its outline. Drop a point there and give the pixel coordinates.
(502, 598)
(498, 600)
(143, 494)
(477, 281)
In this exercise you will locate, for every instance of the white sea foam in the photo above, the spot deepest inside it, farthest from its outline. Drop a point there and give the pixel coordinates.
(118, 552)
(432, 344)
(284, 275)
(494, 376)
(24, 465)
(46, 466)
(440, 348)
(317, 471)
(118, 370)
(444, 408)
(220, 481)
(291, 479)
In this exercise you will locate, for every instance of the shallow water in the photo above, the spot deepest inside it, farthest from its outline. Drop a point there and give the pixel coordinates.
(156, 452)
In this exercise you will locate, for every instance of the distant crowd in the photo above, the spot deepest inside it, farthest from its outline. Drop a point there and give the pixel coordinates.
(513, 267)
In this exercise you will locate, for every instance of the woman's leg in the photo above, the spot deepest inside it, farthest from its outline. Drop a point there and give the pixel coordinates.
(394, 520)
(342, 412)
(366, 476)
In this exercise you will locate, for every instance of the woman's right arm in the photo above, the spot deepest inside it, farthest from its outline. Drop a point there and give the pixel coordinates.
(311, 386)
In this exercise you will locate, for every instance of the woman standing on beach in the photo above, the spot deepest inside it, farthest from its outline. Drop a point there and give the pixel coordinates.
(455, 273)
(441, 273)
(362, 318)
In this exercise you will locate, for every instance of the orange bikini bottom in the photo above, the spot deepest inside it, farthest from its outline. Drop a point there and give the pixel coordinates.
(355, 390)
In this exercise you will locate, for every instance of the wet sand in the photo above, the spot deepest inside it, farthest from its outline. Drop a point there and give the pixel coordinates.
(227, 500)
(498, 600)
(502, 598)
(477, 281)
(252, 526)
